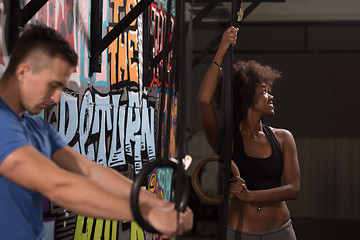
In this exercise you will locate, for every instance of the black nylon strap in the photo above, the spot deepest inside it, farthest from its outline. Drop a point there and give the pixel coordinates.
(226, 126)
(226, 142)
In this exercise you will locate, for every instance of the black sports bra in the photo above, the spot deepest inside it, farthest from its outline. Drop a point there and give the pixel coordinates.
(259, 173)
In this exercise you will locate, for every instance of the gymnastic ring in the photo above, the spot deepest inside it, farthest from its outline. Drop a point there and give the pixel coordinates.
(181, 194)
(199, 190)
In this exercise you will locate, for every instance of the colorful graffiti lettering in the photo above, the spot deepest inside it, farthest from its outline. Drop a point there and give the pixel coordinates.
(123, 52)
(95, 229)
(110, 130)
(158, 24)
(173, 119)
(160, 184)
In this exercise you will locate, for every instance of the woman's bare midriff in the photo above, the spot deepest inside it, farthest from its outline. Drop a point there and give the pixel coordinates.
(257, 217)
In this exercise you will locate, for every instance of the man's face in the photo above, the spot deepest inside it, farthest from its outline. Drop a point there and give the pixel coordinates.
(39, 89)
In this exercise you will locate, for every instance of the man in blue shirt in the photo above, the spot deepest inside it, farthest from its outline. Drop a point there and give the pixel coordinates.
(35, 161)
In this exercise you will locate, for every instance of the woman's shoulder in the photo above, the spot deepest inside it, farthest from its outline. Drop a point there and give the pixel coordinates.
(281, 133)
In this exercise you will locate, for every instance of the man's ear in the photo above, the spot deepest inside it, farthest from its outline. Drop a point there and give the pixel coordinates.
(22, 71)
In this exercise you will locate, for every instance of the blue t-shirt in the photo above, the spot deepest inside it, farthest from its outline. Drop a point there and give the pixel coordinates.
(20, 208)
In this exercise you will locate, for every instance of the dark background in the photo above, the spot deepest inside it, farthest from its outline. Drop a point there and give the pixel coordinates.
(317, 48)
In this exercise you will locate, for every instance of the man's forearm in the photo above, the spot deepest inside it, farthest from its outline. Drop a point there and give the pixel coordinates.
(120, 185)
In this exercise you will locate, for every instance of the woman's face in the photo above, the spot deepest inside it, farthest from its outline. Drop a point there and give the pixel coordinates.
(263, 100)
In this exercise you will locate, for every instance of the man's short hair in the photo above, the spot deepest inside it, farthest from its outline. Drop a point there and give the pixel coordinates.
(43, 39)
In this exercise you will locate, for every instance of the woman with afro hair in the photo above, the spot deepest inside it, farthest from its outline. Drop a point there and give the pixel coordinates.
(266, 156)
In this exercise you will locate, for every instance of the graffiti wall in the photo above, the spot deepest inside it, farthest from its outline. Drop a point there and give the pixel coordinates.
(110, 117)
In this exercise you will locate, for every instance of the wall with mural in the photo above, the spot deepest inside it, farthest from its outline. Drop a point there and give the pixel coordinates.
(110, 117)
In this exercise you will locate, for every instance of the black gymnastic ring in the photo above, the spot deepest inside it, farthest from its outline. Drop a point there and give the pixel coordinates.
(183, 191)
